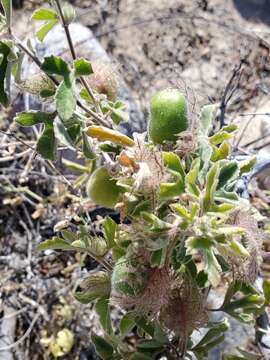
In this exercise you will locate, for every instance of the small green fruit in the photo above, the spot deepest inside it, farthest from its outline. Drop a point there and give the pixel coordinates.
(102, 189)
(168, 116)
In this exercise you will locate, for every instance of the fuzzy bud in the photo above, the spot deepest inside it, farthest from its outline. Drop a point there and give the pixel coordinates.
(93, 287)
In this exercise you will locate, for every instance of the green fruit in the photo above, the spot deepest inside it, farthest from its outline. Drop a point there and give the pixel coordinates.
(102, 189)
(168, 116)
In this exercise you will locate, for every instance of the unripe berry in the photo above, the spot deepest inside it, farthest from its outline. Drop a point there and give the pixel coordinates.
(168, 116)
(102, 188)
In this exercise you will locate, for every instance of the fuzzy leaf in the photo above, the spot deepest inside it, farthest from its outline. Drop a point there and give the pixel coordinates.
(46, 145)
(238, 248)
(66, 99)
(109, 228)
(69, 236)
(54, 65)
(31, 118)
(220, 153)
(247, 165)
(181, 211)
(147, 326)
(198, 243)
(219, 137)
(44, 29)
(95, 286)
(103, 348)
(214, 332)
(4, 52)
(210, 187)
(55, 244)
(44, 14)
(62, 135)
(103, 311)
(149, 345)
(207, 117)
(227, 173)
(192, 175)
(87, 149)
(252, 301)
(205, 153)
(170, 190)
(266, 290)
(140, 356)
(7, 5)
(82, 67)
(127, 323)
(213, 269)
(158, 258)
(173, 162)
(118, 116)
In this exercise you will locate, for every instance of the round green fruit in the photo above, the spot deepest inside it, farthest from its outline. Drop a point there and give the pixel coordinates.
(102, 189)
(168, 118)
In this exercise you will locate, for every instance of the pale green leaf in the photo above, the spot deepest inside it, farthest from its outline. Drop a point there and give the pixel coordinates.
(44, 29)
(82, 67)
(62, 135)
(66, 99)
(55, 244)
(44, 14)
(207, 117)
(103, 348)
(103, 310)
(7, 5)
(31, 118)
(210, 186)
(127, 323)
(46, 145)
(54, 65)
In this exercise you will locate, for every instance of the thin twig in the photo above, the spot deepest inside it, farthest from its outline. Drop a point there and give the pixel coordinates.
(20, 45)
(26, 334)
(229, 91)
(73, 54)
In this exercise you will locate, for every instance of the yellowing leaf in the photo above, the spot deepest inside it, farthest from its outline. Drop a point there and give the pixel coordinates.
(103, 134)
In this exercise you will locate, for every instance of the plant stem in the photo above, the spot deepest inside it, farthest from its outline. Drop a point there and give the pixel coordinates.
(73, 54)
(35, 59)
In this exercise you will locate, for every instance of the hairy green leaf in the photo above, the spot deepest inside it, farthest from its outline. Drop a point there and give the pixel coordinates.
(4, 51)
(109, 228)
(127, 323)
(46, 145)
(44, 14)
(44, 29)
(7, 5)
(103, 310)
(66, 99)
(227, 172)
(62, 135)
(54, 65)
(31, 118)
(55, 244)
(82, 67)
(103, 348)
(210, 186)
